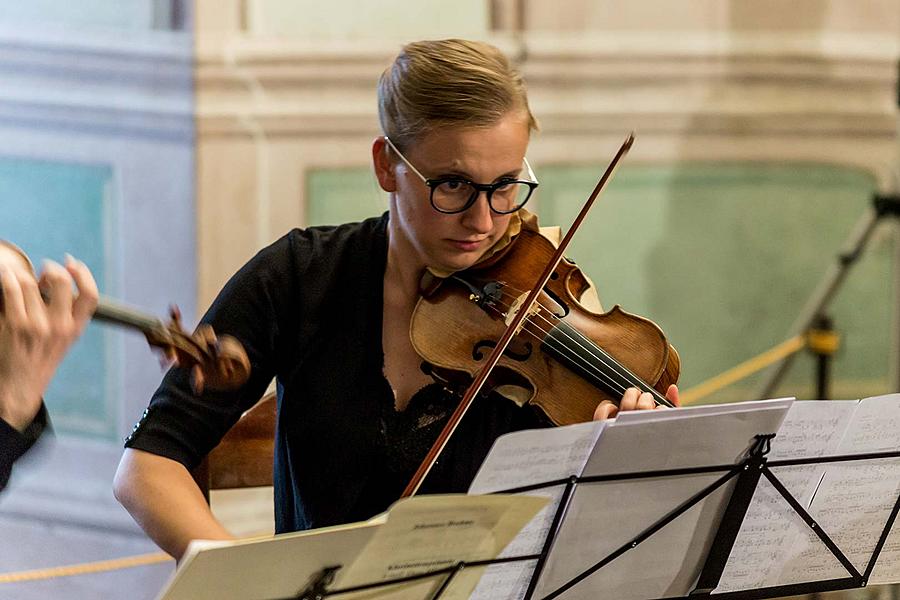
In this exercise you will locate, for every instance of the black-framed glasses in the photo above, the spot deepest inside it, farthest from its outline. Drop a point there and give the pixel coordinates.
(453, 194)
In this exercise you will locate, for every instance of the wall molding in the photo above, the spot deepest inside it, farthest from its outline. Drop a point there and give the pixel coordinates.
(269, 110)
(830, 85)
(129, 83)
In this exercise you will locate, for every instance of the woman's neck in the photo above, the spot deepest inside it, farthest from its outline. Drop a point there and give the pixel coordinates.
(403, 270)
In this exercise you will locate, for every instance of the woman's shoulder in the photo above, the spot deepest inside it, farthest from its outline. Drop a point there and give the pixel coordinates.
(332, 237)
(552, 233)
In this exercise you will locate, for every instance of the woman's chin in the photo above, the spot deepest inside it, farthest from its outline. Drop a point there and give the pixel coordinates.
(459, 262)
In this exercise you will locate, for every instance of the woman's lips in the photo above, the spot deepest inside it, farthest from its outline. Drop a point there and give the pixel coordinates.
(466, 245)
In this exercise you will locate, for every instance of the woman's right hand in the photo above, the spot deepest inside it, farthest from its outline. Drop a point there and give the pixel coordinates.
(36, 334)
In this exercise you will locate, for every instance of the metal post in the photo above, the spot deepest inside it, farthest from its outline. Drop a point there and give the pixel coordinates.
(823, 342)
(895, 337)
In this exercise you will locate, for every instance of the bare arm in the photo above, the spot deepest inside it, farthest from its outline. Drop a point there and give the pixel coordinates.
(163, 498)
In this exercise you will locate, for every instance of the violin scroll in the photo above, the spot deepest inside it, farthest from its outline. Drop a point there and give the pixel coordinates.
(217, 362)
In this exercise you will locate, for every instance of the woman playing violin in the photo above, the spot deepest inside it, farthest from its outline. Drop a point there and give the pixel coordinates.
(326, 311)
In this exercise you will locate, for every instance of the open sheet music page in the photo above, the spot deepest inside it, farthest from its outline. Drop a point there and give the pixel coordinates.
(255, 567)
(812, 428)
(854, 500)
(851, 501)
(427, 533)
(524, 458)
(420, 534)
(638, 441)
(605, 516)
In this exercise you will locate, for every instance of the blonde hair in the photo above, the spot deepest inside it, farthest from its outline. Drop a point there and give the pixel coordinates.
(433, 84)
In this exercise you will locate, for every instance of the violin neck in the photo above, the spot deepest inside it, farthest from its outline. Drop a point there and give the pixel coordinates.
(116, 313)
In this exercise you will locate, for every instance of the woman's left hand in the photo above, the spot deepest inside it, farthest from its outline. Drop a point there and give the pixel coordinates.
(633, 399)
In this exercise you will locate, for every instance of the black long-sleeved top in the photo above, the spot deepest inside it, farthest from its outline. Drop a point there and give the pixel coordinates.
(308, 310)
(13, 443)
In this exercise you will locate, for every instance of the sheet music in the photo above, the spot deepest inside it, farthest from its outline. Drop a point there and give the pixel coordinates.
(688, 437)
(536, 456)
(219, 570)
(606, 516)
(524, 458)
(811, 428)
(888, 568)
(428, 533)
(420, 534)
(854, 499)
(850, 501)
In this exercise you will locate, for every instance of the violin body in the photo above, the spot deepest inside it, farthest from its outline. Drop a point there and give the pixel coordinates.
(565, 359)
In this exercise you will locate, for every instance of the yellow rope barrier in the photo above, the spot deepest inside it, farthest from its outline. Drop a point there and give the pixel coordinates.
(746, 368)
(82, 569)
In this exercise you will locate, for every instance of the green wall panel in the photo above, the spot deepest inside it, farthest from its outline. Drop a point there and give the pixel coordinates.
(342, 196)
(724, 257)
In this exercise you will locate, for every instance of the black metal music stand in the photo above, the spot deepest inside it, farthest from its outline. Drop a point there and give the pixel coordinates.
(746, 475)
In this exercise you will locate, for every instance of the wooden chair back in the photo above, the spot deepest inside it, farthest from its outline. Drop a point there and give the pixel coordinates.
(244, 456)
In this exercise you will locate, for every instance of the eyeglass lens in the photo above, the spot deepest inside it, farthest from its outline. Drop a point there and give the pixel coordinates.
(457, 195)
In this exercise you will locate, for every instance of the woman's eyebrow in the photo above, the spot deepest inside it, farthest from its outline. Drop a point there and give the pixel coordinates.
(457, 172)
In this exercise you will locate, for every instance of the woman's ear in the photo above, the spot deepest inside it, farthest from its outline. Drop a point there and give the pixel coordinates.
(384, 166)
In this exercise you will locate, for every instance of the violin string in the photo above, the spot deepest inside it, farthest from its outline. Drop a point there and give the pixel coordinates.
(600, 355)
(561, 347)
(589, 347)
(620, 370)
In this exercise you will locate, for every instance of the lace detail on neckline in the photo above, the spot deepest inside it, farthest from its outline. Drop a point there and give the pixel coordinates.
(409, 434)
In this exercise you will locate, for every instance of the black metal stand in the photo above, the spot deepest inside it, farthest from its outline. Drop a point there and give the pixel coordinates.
(883, 207)
(823, 342)
(316, 590)
(732, 518)
(746, 474)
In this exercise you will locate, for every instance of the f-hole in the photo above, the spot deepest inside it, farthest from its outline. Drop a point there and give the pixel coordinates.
(559, 302)
(478, 354)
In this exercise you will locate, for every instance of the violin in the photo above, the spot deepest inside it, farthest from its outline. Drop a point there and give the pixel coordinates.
(218, 362)
(566, 357)
(533, 314)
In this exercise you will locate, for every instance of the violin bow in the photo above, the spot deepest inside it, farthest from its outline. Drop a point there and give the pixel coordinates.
(478, 383)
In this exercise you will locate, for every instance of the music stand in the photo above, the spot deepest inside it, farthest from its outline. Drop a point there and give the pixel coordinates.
(746, 475)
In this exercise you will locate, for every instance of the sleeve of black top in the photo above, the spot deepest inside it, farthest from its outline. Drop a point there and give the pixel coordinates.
(254, 306)
(13, 443)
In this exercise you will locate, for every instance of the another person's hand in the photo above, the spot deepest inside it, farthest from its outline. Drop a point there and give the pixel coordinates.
(35, 334)
(633, 399)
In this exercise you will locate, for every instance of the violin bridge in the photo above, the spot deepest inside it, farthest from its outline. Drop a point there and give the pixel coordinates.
(514, 308)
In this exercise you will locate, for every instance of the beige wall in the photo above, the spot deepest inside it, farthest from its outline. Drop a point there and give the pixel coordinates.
(810, 81)
(758, 16)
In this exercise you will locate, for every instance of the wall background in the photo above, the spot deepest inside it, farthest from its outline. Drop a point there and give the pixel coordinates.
(166, 141)
(96, 118)
(763, 129)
